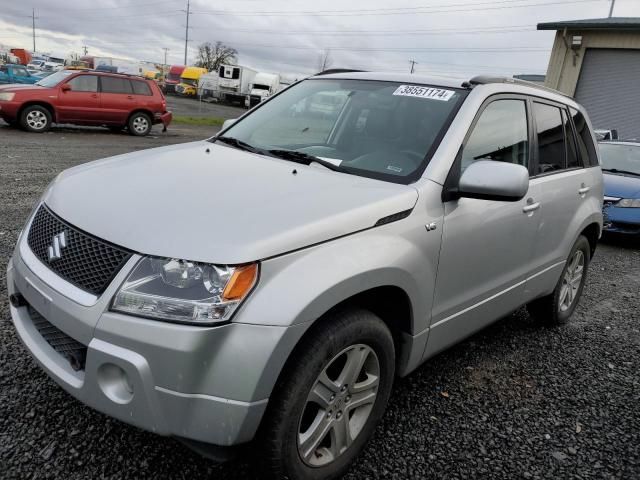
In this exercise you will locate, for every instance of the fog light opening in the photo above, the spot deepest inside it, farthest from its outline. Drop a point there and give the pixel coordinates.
(114, 382)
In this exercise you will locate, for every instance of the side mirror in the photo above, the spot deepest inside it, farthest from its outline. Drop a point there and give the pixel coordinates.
(491, 180)
(66, 87)
(227, 123)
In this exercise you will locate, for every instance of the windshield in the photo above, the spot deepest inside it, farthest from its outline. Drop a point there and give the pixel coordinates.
(53, 80)
(189, 81)
(385, 130)
(620, 157)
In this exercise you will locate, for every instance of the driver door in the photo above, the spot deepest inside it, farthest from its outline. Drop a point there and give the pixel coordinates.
(487, 245)
(81, 103)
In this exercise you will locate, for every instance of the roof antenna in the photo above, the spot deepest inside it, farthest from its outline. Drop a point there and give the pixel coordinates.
(613, 3)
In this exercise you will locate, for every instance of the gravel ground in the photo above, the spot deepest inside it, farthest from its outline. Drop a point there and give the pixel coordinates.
(514, 401)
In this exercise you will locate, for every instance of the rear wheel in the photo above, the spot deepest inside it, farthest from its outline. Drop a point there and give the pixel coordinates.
(139, 124)
(557, 307)
(35, 118)
(329, 399)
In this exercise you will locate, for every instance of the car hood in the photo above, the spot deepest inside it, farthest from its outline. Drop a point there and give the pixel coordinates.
(213, 203)
(621, 186)
(15, 87)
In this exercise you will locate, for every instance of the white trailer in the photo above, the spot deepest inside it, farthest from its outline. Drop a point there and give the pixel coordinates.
(208, 85)
(234, 84)
(264, 85)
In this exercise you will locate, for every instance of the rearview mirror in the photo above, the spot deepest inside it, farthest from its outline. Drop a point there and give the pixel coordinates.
(227, 123)
(491, 180)
(66, 87)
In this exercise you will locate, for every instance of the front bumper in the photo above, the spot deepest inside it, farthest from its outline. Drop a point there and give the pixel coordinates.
(201, 384)
(621, 220)
(9, 110)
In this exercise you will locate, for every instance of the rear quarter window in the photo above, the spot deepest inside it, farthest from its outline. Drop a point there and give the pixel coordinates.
(141, 88)
(586, 148)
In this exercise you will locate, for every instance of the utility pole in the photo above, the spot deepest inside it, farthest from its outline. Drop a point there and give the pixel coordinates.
(165, 55)
(186, 32)
(613, 3)
(413, 63)
(85, 49)
(33, 25)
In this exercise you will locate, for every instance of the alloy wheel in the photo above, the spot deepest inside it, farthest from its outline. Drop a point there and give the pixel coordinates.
(140, 124)
(571, 281)
(338, 405)
(37, 120)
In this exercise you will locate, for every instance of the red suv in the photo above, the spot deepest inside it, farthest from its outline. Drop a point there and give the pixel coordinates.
(85, 98)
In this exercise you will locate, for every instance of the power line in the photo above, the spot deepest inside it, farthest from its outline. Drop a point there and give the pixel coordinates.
(392, 11)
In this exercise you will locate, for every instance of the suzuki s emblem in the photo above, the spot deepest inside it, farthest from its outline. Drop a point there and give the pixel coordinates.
(57, 244)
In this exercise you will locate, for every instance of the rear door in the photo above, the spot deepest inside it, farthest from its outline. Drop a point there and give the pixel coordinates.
(116, 99)
(567, 191)
(81, 103)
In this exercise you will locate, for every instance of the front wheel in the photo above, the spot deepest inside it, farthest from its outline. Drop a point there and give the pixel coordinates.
(139, 124)
(35, 118)
(557, 307)
(329, 399)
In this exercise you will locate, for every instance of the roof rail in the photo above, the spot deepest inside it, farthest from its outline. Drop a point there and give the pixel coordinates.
(487, 79)
(337, 70)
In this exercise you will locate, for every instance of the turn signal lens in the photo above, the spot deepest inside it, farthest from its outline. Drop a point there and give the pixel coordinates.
(241, 282)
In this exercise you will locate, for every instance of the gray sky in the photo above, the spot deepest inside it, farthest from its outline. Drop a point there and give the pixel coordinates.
(446, 37)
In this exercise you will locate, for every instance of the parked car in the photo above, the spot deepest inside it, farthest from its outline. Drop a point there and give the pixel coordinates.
(85, 98)
(621, 168)
(266, 285)
(16, 74)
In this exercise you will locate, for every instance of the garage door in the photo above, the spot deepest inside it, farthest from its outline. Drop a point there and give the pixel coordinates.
(609, 88)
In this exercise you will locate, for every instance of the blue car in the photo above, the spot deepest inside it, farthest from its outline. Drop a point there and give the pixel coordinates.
(621, 169)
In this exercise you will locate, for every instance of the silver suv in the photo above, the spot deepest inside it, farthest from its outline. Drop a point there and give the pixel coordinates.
(268, 284)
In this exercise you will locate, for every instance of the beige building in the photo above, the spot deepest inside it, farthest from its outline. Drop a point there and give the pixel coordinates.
(597, 61)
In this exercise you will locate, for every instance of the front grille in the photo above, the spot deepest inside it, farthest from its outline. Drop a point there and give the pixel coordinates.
(62, 343)
(85, 261)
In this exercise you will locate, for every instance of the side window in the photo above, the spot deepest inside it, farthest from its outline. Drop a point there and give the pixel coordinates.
(84, 83)
(141, 88)
(20, 72)
(115, 85)
(499, 134)
(585, 142)
(551, 148)
(572, 155)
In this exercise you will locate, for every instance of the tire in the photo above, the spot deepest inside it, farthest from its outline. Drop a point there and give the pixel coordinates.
(286, 436)
(557, 307)
(35, 118)
(139, 124)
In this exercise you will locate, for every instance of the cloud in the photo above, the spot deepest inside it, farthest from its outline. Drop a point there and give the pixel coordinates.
(459, 38)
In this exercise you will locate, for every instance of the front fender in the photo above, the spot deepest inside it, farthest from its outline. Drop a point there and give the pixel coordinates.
(300, 287)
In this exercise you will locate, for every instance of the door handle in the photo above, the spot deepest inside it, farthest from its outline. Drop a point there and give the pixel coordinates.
(531, 206)
(130, 97)
(94, 95)
(582, 190)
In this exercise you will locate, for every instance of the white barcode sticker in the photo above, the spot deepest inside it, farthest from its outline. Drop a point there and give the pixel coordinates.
(424, 92)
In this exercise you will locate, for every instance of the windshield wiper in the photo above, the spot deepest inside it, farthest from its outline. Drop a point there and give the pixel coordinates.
(615, 170)
(239, 144)
(303, 158)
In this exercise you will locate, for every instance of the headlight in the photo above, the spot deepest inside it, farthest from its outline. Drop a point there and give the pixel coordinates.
(6, 96)
(629, 203)
(186, 292)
